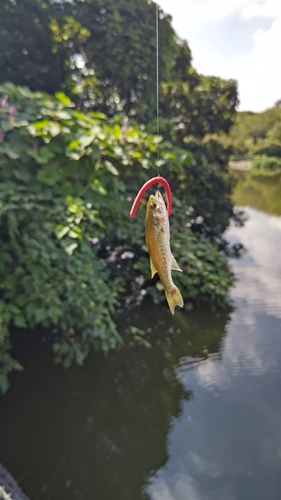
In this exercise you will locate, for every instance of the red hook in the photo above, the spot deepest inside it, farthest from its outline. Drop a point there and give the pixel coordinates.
(144, 188)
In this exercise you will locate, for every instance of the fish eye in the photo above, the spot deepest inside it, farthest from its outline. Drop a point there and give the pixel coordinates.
(153, 206)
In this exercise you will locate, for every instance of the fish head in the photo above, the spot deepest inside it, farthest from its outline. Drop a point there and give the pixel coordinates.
(156, 209)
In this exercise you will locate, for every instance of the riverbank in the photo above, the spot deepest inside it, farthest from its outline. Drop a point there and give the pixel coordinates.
(242, 165)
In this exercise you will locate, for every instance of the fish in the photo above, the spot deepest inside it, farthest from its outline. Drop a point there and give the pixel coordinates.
(162, 261)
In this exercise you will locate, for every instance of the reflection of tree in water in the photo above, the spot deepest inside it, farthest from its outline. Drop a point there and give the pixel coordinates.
(260, 192)
(98, 432)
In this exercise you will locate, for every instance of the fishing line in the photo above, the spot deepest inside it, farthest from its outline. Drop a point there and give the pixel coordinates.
(157, 86)
(155, 180)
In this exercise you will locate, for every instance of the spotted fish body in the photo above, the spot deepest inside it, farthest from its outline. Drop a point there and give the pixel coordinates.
(162, 261)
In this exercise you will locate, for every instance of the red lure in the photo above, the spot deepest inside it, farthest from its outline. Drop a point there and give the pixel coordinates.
(144, 188)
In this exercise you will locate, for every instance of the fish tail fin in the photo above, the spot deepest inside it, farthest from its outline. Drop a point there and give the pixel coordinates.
(174, 298)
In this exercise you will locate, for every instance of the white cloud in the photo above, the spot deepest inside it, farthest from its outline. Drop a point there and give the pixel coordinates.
(258, 72)
(179, 485)
(266, 8)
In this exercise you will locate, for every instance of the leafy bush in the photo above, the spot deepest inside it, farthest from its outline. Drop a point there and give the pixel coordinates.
(266, 163)
(267, 147)
(69, 251)
(251, 128)
(266, 153)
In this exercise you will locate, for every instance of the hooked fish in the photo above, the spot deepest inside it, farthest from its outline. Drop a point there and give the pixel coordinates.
(162, 261)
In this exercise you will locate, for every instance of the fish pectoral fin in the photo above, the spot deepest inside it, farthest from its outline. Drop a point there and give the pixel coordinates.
(174, 265)
(153, 270)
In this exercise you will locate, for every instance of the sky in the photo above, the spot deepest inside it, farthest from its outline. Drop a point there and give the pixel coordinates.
(239, 39)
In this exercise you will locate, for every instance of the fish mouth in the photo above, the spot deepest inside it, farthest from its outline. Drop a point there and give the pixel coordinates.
(157, 198)
(157, 205)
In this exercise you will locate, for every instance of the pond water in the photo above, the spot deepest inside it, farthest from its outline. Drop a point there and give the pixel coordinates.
(195, 414)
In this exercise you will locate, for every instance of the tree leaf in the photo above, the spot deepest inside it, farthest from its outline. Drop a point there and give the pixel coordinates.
(85, 140)
(19, 321)
(64, 99)
(72, 234)
(110, 167)
(54, 129)
(62, 232)
(70, 249)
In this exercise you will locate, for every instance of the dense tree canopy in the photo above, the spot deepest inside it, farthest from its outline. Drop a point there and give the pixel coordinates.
(208, 107)
(103, 51)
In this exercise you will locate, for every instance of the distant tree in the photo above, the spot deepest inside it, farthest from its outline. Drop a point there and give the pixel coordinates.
(250, 128)
(271, 144)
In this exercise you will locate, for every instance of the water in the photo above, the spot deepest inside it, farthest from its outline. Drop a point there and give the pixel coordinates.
(260, 192)
(194, 416)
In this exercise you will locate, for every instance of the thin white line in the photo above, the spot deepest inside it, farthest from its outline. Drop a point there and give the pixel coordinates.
(157, 80)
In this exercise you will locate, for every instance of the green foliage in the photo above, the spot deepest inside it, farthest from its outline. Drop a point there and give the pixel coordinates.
(69, 252)
(266, 152)
(103, 52)
(26, 40)
(259, 191)
(266, 164)
(208, 107)
(256, 135)
(7, 363)
(182, 68)
(198, 118)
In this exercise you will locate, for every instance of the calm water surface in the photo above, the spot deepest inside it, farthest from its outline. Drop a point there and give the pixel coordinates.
(196, 415)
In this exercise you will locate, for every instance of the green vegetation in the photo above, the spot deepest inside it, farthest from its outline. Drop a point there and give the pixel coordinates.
(101, 52)
(70, 254)
(258, 191)
(257, 136)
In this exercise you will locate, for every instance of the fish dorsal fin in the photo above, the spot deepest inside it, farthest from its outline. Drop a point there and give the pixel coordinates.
(174, 265)
(153, 270)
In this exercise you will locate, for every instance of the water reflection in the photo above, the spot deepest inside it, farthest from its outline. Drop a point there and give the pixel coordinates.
(260, 192)
(258, 296)
(227, 443)
(100, 431)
